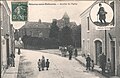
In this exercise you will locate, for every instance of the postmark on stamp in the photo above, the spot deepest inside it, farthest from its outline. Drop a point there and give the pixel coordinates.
(19, 11)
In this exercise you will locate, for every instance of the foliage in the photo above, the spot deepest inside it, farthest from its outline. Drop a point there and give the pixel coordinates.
(76, 35)
(39, 43)
(54, 30)
(66, 36)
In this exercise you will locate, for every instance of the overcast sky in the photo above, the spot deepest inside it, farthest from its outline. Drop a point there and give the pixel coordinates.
(48, 12)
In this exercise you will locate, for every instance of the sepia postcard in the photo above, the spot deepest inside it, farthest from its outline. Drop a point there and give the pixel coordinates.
(60, 38)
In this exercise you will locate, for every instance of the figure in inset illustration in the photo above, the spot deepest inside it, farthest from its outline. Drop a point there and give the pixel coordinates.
(102, 14)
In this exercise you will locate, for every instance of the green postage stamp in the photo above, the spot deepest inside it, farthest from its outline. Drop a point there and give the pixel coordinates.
(19, 11)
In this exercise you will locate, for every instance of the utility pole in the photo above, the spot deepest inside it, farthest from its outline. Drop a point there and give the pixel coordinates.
(106, 1)
(105, 41)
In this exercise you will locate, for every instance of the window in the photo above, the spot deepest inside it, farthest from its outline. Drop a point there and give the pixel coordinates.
(88, 23)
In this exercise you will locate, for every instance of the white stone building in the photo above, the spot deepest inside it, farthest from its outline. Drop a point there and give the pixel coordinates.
(93, 41)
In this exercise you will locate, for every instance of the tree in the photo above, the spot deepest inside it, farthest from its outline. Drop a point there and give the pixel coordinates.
(66, 36)
(54, 30)
(76, 35)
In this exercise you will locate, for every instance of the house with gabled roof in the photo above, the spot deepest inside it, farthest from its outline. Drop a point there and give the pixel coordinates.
(35, 29)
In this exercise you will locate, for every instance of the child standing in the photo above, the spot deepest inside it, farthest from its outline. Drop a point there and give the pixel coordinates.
(39, 65)
(108, 65)
(47, 64)
(92, 65)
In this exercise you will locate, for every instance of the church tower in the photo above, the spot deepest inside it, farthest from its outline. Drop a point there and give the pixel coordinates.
(66, 18)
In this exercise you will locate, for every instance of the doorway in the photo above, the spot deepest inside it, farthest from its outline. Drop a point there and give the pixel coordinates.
(112, 57)
(7, 50)
(98, 50)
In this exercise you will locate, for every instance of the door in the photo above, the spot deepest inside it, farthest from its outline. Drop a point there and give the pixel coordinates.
(98, 49)
(7, 50)
(113, 57)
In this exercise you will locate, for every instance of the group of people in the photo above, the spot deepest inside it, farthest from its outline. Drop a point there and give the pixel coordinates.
(11, 59)
(104, 65)
(70, 49)
(89, 63)
(63, 51)
(42, 64)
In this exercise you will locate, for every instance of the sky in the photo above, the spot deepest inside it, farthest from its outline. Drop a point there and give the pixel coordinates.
(46, 11)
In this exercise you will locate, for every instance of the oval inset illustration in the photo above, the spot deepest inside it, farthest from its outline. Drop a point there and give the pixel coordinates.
(101, 14)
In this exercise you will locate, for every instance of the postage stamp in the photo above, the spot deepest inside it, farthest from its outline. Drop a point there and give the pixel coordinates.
(19, 11)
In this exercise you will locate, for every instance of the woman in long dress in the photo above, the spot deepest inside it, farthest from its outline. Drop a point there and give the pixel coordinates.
(43, 62)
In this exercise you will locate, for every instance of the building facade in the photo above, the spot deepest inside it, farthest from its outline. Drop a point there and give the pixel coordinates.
(7, 38)
(35, 29)
(96, 42)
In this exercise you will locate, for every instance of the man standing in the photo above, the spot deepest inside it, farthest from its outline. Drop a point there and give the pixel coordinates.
(88, 61)
(103, 63)
(76, 52)
(13, 60)
(19, 51)
(70, 50)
